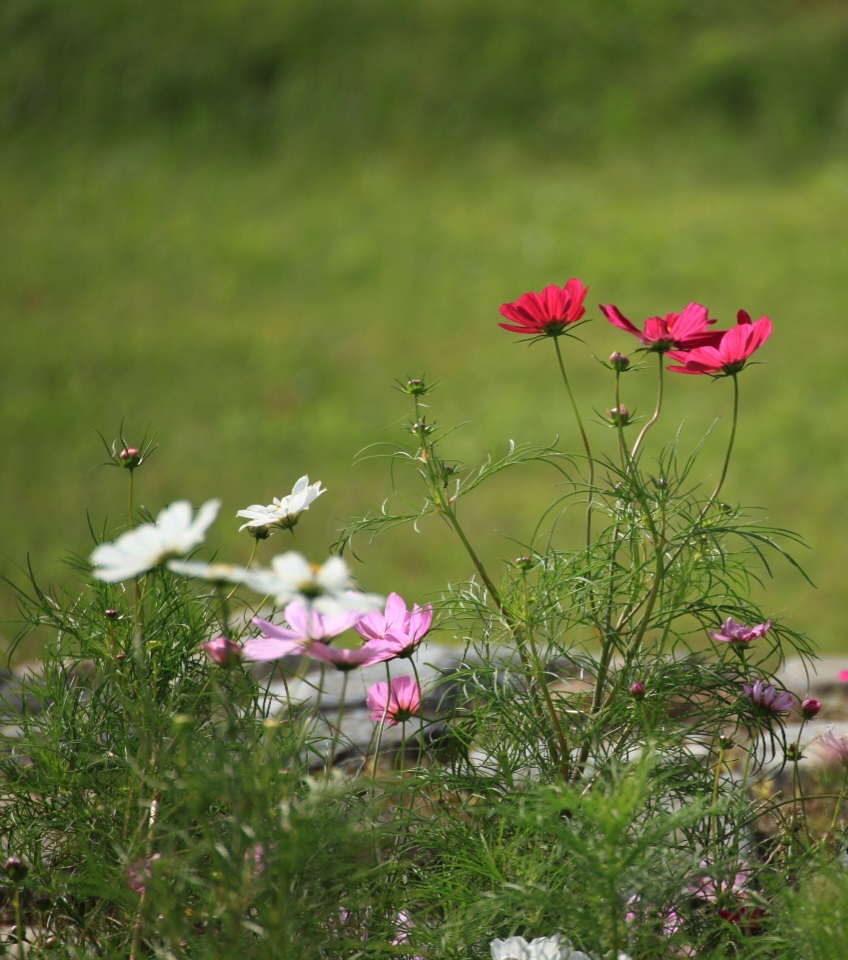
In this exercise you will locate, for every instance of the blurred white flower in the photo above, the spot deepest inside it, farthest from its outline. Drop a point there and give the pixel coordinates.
(542, 948)
(212, 572)
(282, 513)
(149, 545)
(328, 588)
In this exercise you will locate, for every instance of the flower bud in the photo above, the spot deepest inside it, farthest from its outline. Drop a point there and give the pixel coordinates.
(111, 614)
(619, 416)
(810, 708)
(618, 361)
(223, 651)
(637, 690)
(130, 457)
(415, 388)
(793, 753)
(524, 563)
(16, 869)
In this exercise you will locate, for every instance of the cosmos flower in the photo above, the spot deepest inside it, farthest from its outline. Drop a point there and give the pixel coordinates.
(174, 533)
(731, 353)
(223, 651)
(733, 632)
(835, 749)
(282, 514)
(327, 588)
(400, 628)
(547, 313)
(394, 703)
(674, 331)
(768, 697)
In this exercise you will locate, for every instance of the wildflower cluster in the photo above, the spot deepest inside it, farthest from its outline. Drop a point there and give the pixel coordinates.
(588, 777)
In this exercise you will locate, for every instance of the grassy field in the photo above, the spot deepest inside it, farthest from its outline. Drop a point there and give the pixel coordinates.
(255, 313)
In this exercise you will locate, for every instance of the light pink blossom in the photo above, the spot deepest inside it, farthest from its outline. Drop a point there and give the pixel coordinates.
(223, 651)
(834, 748)
(372, 652)
(394, 703)
(401, 629)
(305, 626)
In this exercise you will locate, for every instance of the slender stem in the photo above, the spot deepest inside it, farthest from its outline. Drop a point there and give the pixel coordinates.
(19, 921)
(730, 443)
(420, 711)
(381, 724)
(657, 410)
(130, 499)
(583, 436)
(337, 732)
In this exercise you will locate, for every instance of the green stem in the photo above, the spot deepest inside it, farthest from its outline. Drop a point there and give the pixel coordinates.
(337, 732)
(657, 410)
(583, 436)
(19, 921)
(726, 464)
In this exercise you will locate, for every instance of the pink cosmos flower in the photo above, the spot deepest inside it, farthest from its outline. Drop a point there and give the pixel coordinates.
(374, 651)
(305, 625)
(398, 627)
(834, 748)
(768, 697)
(733, 632)
(843, 676)
(732, 352)
(140, 873)
(674, 331)
(223, 651)
(547, 313)
(394, 703)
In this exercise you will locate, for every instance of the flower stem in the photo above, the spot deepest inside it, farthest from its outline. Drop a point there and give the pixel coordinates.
(657, 410)
(583, 436)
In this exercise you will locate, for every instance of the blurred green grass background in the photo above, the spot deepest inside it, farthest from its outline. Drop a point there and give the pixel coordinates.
(238, 223)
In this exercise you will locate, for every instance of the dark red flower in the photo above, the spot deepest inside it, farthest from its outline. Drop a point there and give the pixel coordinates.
(674, 331)
(547, 313)
(732, 352)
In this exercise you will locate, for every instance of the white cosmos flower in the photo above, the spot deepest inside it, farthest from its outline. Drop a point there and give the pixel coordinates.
(149, 545)
(213, 572)
(542, 948)
(328, 589)
(284, 512)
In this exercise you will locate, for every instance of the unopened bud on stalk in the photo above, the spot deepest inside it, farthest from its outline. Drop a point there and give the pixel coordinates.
(16, 869)
(524, 563)
(637, 690)
(130, 457)
(793, 753)
(223, 651)
(111, 614)
(810, 708)
(415, 387)
(619, 416)
(618, 361)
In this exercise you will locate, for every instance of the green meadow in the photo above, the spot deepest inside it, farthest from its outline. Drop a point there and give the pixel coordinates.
(195, 269)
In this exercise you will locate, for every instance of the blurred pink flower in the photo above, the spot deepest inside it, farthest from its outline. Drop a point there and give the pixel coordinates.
(400, 628)
(394, 703)
(733, 632)
(140, 873)
(674, 331)
(223, 651)
(547, 313)
(732, 352)
(843, 676)
(372, 652)
(834, 748)
(768, 697)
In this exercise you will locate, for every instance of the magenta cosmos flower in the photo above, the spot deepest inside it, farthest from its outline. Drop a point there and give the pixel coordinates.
(398, 627)
(732, 352)
(674, 331)
(733, 632)
(547, 313)
(768, 697)
(374, 651)
(395, 702)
